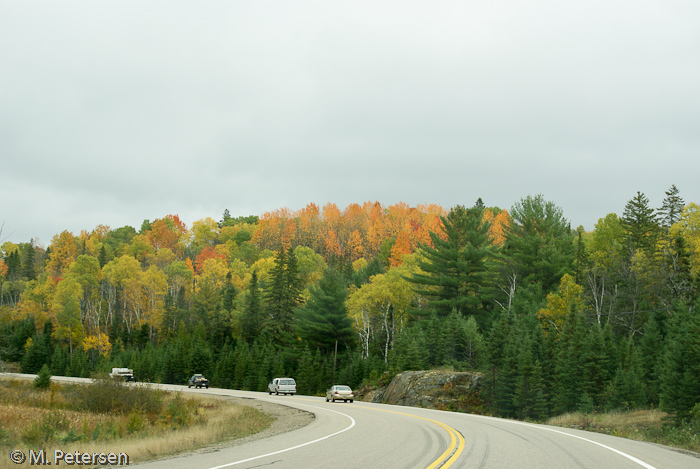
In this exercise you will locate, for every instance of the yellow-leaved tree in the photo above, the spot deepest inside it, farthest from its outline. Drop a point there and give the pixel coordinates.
(566, 300)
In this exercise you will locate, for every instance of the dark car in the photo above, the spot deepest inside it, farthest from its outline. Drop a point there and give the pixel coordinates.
(198, 381)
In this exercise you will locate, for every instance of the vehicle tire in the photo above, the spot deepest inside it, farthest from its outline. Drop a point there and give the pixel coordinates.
(326, 398)
(345, 400)
(189, 385)
(351, 401)
(207, 386)
(269, 392)
(277, 393)
(333, 400)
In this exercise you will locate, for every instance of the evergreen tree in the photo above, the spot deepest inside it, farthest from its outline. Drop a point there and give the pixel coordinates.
(14, 266)
(671, 208)
(680, 371)
(205, 301)
(229, 294)
(175, 358)
(500, 374)
(505, 389)
(306, 374)
(103, 256)
(640, 223)
(539, 243)
(43, 379)
(29, 260)
(282, 297)
(457, 274)
(251, 322)
(36, 355)
(243, 362)
(582, 261)
(571, 381)
(323, 322)
(410, 351)
(595, 364)
(627, 388)
(650, 344)
(529, 394)
(680, 277)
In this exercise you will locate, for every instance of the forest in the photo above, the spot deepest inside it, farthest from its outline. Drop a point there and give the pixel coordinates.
(555, 318)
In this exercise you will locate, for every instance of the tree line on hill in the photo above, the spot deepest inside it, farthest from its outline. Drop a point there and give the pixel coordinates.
(557, 319)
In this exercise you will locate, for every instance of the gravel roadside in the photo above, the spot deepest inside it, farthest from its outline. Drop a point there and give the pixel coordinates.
(286, 419)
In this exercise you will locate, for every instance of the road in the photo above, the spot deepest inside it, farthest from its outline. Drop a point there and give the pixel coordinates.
(366, 435)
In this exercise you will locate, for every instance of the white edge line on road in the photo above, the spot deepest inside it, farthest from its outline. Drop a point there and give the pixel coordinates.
(541, 427)
(352, 424)
(515, 422)
(621, 453)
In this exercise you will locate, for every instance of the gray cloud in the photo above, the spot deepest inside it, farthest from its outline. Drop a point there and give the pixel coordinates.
(116, 112)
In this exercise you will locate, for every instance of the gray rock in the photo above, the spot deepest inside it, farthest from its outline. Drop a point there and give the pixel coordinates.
(440, 389)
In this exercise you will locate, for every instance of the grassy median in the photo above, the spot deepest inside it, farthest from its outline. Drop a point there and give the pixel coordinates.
(110, 416)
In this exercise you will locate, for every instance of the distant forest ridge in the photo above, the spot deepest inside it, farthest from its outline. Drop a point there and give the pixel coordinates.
(557, 319)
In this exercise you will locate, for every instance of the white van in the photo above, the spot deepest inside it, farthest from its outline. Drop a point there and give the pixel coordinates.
(282, 386)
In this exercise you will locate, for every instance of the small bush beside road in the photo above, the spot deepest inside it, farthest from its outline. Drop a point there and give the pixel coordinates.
(108, 415)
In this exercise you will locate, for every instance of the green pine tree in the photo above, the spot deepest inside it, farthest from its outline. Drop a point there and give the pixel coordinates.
(680, 370)
(323, 322)
(640, 223)
(672, 207)
(252, 321)
(539, 243)
(43, 379)
(457, 270)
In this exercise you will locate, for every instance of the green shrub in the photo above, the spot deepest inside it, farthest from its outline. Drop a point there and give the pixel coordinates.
(105, 395)
(136, 422)
(43, 379)
(179, 412)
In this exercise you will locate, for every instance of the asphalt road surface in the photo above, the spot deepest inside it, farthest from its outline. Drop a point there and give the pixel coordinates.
(366, 435)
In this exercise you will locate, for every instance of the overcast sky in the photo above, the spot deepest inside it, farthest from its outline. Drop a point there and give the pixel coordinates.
(112, 112)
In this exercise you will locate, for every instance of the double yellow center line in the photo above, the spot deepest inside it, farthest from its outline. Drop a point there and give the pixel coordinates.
(453, 451)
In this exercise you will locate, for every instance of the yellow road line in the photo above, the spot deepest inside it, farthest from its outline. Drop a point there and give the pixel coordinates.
(456, 438)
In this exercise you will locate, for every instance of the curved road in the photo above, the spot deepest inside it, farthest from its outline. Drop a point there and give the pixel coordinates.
(366, 435)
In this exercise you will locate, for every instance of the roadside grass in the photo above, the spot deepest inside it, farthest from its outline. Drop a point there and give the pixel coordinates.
(652, 426)
(110, 416)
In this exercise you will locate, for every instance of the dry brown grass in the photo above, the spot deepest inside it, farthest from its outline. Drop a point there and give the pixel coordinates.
(623, 422)
(33, 419)
(650, 425)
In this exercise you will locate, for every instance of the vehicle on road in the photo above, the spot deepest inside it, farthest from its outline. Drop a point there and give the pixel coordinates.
(127, 374)
(340, 392)
(198, 381)
(282, 386)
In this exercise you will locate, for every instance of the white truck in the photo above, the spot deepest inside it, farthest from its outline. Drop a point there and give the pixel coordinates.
(282, 386)
(127, 374)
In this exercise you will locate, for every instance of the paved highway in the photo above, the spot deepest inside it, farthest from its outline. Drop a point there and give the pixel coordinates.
(366, 435)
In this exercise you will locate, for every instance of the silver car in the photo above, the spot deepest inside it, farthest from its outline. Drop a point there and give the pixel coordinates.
(340, 393)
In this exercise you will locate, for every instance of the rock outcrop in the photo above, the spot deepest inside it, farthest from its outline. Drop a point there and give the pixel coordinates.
(439, 389)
